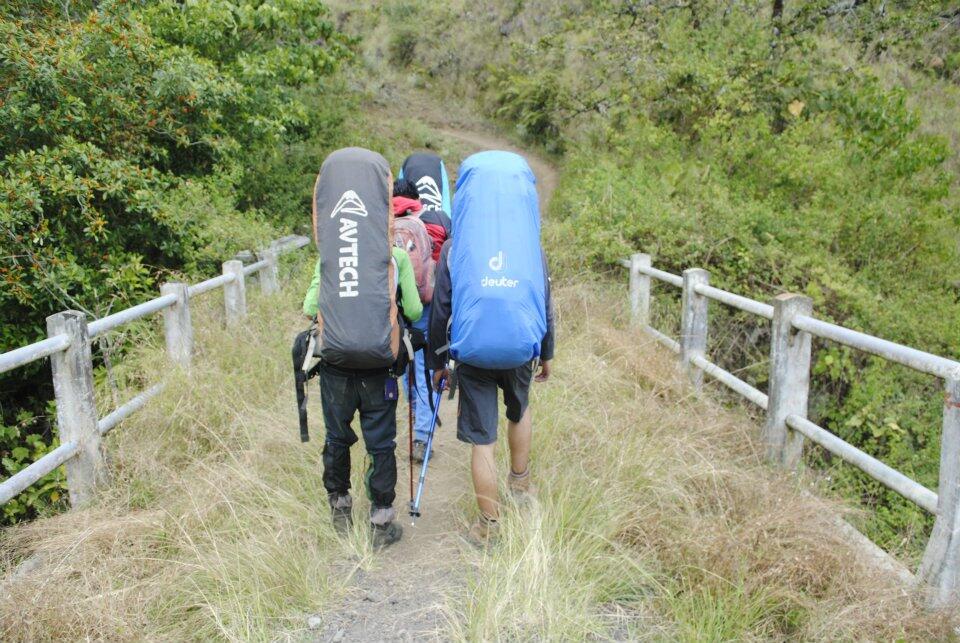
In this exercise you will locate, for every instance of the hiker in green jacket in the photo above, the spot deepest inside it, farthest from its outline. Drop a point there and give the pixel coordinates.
(407, 297)
(346, 391)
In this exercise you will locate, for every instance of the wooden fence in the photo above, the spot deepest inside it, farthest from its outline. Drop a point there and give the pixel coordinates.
(68, 347)
(786, 425)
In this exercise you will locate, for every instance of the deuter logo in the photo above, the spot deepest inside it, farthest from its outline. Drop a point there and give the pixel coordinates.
(502, 282)
(496, 262)
(349, 204)
(430, 195)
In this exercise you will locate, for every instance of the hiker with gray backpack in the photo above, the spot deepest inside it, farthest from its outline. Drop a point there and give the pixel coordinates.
(492, 314)
(421, 232)
(363, 289)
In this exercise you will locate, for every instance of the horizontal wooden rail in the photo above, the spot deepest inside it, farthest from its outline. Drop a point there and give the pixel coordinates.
(108, 323)
(731, 381)
(210, 284)
(885, 474)
(736, 301)
(15, 484)
(910, 357)
(38, 350)
(664, 340)
(255, 267)
(118, 415)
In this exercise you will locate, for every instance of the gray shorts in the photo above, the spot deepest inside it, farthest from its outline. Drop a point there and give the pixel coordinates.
(478, 413)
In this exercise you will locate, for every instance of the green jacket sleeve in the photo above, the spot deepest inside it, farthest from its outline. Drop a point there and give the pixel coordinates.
(311, 301)
(408, 295)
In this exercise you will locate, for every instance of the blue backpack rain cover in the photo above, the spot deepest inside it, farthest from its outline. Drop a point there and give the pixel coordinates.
(496, 264)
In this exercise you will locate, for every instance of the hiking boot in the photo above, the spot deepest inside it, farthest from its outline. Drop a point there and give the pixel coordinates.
(341, 512)
(419, 451)
(385, 535)
(520, 485)
(483, 532)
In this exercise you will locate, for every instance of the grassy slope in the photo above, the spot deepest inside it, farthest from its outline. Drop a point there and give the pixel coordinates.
(656, 516)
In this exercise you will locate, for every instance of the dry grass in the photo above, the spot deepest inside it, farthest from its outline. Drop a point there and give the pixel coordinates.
(657, 518)
(216, 525)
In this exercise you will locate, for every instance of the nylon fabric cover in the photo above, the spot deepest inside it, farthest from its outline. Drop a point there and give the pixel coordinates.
(496, 264)
(410, 234)
(353, 226)
(430, 175)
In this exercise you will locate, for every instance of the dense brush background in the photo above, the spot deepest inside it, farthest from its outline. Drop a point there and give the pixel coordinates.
(785, 146)
(815, 152)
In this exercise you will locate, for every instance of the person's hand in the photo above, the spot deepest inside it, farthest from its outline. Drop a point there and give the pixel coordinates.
(441, 375)
(544, 373)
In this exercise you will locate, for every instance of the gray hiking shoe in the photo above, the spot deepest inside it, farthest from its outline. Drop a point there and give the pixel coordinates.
(483, 532)
(521, 486)
(341, 512)
(385, 535)
(419, 451)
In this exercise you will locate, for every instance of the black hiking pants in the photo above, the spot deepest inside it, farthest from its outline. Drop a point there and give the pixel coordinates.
(343, 393)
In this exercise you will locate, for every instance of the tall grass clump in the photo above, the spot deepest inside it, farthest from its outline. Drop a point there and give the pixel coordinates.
(215, 525)
(657, 519)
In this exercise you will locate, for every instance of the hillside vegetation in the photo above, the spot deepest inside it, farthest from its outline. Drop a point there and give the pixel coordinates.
(657, 517)
(811, 152)
(139, 141)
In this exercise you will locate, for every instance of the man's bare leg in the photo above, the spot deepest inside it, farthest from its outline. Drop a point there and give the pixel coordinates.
(484, 466)
(519, 433)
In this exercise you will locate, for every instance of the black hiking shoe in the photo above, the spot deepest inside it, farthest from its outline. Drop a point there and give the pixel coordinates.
(385, 535)
(341, 512)
(342, 519)
(419, 451)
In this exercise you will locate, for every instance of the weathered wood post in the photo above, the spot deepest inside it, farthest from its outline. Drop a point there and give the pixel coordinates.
(789, 379)
(76, 407)
(234, 293)
(639, 291)
(693, 324)
(940, 567)
(177, 327)
(269, 276)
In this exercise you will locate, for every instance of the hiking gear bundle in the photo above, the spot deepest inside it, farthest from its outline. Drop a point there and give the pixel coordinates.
(415, 499)
(353, 227)
(410, 234)
(496, 264)
(303, 347)
(430, 175)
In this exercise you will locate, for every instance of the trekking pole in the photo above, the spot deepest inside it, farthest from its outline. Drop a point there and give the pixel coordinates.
(415, 503)
(410, 376)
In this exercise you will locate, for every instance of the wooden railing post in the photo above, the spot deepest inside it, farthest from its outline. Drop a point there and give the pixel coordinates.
(789, 379)
(177, 328)
(693, 324)
(940, 567)
(234, 293)
(76, 408)
(269, 277)
(639, 291)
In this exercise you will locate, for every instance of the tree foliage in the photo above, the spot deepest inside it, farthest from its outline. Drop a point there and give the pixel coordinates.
(128, 134)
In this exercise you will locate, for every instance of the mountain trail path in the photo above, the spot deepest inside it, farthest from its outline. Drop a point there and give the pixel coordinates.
(400, 594)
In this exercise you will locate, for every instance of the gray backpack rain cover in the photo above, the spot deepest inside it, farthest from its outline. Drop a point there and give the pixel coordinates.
(353, 227)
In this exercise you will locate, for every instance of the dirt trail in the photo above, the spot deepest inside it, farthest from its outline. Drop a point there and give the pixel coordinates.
(401, 597)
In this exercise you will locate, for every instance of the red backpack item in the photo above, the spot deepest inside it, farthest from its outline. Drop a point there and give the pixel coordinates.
(410, 233)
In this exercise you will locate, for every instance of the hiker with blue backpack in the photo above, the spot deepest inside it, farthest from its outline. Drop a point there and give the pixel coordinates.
(492, 314)
(421, 196)
(363, 287)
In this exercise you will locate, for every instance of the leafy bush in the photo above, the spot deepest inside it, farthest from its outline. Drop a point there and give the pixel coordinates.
(130, 134)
